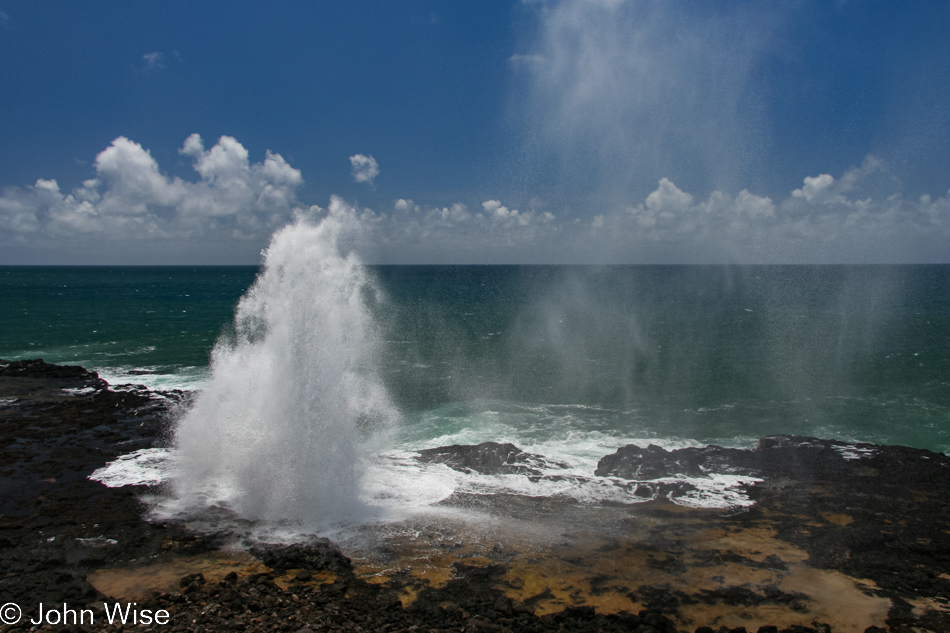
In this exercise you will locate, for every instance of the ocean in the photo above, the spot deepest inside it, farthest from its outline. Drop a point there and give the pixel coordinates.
(711, 354)
(328, 362)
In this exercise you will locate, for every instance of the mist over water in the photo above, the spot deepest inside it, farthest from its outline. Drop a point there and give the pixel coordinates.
(707, 354)
(625, 335)
(277, 432)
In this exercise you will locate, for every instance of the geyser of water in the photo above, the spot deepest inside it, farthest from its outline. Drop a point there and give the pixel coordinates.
(277, 433)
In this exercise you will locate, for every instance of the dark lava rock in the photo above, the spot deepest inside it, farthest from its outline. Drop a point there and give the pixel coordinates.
(58, 425)
(654, 462)
(314, 555)
(776, 455)
(38, 368)
(488, 458)
(746, 595)
(197, 580)
(870, 512)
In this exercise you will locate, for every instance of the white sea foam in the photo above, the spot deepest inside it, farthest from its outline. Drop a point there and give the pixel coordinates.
(145, 467)
(81, 391)
(182, 378)
(97, 541)
(855, 452)
(402, 484)
(396, 484)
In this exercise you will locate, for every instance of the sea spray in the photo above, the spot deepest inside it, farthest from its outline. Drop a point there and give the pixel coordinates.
(277, 432)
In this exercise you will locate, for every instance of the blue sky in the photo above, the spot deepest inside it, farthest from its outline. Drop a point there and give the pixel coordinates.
(586, 131)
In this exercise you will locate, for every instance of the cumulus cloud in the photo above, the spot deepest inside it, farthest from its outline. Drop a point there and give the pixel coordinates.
(452, 233)
(854, 217)
(668, 197)
(824, 189)
(754, 206)
(405, 205)
(828, 219)
(837, 221)
(364, 168)
(130, 199)
(496, 209)
(816, 189)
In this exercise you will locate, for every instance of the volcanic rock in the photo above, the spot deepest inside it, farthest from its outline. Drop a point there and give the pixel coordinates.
(314, 555)
(654, 462)
(870, 512)
(775, 455)
(488, 458)
(38, 368)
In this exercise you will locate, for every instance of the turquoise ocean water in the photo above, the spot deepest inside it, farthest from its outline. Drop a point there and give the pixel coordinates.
(568, 355)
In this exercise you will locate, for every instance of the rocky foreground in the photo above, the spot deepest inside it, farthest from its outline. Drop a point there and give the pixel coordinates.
(873, 519)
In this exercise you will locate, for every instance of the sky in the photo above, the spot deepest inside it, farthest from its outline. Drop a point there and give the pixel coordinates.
(531, 131)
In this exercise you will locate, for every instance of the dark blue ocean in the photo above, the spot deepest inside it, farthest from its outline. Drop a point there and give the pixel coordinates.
(533, 354)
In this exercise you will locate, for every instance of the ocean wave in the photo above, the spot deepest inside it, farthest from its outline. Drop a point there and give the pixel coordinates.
(155, 377)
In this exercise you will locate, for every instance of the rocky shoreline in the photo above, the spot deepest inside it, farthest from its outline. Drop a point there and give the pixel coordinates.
(873, 514)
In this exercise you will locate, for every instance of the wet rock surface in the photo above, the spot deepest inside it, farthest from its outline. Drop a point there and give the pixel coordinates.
(57, 425)
(654, 462)
(871, 512)
(487, 458)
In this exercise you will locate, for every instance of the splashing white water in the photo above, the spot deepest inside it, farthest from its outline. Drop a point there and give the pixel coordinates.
(277, 432)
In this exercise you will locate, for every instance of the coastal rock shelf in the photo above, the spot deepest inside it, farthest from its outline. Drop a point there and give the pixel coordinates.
(488, 458)
(837, 536)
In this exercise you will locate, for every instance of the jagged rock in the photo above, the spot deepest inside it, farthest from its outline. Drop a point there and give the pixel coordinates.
(870, 512)
(38, 368)
(654, 462)
(315, 554)
(773, 455)
(488, 458)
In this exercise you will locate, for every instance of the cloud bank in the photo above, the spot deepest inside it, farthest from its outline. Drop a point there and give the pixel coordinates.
(131, 200)
(827, 220)
(132, 212)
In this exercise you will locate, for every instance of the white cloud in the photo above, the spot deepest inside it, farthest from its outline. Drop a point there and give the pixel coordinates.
(193, 146)
(405, 205)
(49, 185)
(130, 199)
(817, 188)
(496, 209)
(153, 62)
(4, 19)
(235, 201)
(825, 189)
(753, 205)
(364, 168)
(132, 180)
(668, 197)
